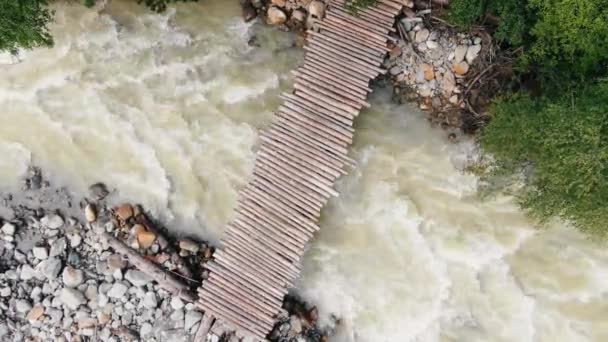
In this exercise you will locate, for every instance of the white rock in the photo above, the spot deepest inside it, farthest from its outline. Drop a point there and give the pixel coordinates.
(145, 330)
(72, 298)
(299, 15)
(192, 317)
(177, 303)
(27, 272)
(50, 268)
(477, 40)
(52, 222)
(459, 53)
(150, 300)
(276, 16)
(177, 315)
(22, 306)
(137, 278)
(431, 44)
(316, 9)
(40, 253)
(472, 53)
(58, 247)
(189, 245)
(8, 229)
(5, 292)
(72, 277)
(118, 290)
(75, 240)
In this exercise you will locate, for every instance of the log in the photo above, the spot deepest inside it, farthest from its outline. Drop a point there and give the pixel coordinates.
(204, 328)
(164, 279)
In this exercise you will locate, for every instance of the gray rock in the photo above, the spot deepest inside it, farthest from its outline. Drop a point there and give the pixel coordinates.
(52, 221)
(118, 290)
(22, 306)
(431, 44)
(27, 272)
(192, 317)
(422, 35)
(295, 326)
(98, 191)
(58, 247)
(5, 292)
(40, 252)
(276, 16)
(150, 300)
(177, 315)
(8, 229)
(50, 268)
(137, 278)
(72, 298)
(176, 303)
(75, 240)
(189, 245)
(55, 315)
(72, 277)
(19, 256)
(3, 330)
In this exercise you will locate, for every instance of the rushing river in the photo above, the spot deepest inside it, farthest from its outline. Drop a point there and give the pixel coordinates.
(166, 108)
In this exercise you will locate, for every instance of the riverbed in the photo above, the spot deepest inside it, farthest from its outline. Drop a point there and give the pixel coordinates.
(167, 108)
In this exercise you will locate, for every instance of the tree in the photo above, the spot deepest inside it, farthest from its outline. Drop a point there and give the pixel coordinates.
(23, 24)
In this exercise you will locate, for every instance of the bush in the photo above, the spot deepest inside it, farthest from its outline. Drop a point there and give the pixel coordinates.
(23, 24)
(564, 142)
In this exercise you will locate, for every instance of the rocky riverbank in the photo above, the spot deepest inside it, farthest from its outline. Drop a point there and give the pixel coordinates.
(62, 277)
(432, 64)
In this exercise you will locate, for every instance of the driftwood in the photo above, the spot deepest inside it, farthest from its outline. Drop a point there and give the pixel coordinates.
(164, 279)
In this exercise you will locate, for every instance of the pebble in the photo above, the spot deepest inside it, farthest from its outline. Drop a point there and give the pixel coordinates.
(72, 277)
(177, 315)
(52, 222)
(472, 53)
(189, 245)
(124, 211)
(118, 290)
(8, 229)
(422, 35)
(460, 68)
(27, 272)
(75, 240)
(460, 53)
(431, 44)
(90, 213)
(192, 318)
(3, 330)
(276, 16)
(177, 303)
(137, 278)
(145, 330)
(22, 306)
(58, 247)
(72, 298)
(145, 239)
(50, 268)
(35, 313)
(5, 292)
(150, 300)
(40, 253)
(316, 9)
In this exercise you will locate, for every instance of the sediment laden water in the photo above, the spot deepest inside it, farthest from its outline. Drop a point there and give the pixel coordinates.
(166, 108)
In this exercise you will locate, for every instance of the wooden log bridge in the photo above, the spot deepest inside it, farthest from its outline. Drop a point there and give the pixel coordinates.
(302, 154)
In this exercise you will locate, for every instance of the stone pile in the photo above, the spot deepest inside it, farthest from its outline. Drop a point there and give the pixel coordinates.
(59, 281)
(431, 65)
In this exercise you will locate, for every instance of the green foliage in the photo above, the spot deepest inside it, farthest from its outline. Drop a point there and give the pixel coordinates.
(89, 3)
(564, 142)
(160, 5)
(23, 24)
(465, 13)
(570, 39)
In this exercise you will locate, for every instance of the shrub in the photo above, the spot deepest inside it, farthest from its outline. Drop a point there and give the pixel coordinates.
(564, 142)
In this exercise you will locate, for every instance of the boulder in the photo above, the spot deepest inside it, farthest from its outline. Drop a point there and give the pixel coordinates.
(460, 68)
(124, 211)
(189, 245)
(40, 253)
(298, 15)
(192, 318)
(50, 268)
(137, 278)
(276, 16)
(8, 229)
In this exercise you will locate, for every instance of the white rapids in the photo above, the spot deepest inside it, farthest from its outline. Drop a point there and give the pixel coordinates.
(166, 108)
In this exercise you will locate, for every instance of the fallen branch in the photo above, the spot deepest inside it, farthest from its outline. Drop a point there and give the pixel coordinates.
(477, 79)
(204, 328)
(164, 279)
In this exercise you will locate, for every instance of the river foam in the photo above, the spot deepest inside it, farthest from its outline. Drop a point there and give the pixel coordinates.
(166, 108)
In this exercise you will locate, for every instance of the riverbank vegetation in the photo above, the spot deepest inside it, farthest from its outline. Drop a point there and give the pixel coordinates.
(24, 23)
(552, 128)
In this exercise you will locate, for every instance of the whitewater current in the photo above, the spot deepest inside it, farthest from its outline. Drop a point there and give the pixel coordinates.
(166, 108)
